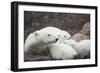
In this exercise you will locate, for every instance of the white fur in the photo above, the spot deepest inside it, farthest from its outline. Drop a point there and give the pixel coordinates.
(62, 51)
(64, 35)
(39, 39)
(59, 50)
(47, 36)
(82, 47)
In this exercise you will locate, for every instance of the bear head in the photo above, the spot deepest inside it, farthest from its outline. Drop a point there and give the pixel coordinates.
(45, 37)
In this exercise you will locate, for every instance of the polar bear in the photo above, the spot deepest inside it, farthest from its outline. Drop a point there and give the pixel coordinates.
(38, 40)
(64, 35)
(62, 51)
(82, 47)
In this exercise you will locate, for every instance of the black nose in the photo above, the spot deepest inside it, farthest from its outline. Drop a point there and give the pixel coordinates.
(56, 39)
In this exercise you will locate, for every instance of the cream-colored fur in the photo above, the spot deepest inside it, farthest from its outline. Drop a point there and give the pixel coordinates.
(82, 47)
(39, 40)
(62, 51)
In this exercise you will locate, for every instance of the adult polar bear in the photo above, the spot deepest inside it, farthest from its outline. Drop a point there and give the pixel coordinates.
(39, 40)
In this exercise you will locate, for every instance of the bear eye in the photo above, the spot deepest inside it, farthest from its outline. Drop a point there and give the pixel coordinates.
(48, 34)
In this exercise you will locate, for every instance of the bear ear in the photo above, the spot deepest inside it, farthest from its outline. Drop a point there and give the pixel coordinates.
(36, 33)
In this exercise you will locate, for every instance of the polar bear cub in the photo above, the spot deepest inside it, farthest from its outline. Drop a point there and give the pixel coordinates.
(82, 47)
(64, 35)
(62, 51)
(39, 39)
